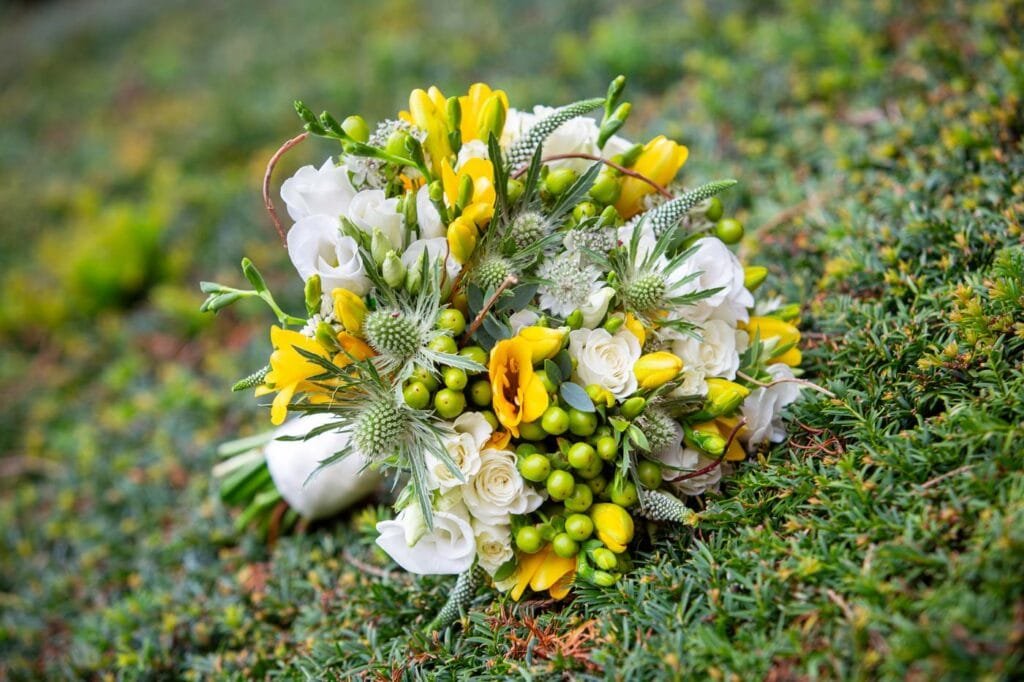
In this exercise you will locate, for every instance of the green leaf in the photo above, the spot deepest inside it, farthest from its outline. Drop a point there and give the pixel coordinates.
(553, 372)
(576, 397)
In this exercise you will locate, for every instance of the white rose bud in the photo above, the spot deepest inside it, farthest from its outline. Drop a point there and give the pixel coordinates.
(493, 546)
(370, 209)
(498, 489)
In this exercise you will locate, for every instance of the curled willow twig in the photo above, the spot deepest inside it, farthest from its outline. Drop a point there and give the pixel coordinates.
(268, 203)
(786, 380)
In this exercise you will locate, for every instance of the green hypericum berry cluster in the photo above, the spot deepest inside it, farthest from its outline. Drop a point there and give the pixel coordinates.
(392, 333)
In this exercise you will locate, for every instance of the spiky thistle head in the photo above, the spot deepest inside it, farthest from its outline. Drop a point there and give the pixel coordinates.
(528, 228)
(380, 429)
(491, 272)
(393, 333)
(661, 429)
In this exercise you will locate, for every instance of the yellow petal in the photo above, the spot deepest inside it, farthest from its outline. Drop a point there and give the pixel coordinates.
(544, 341)
(527, 566)
(792, 357)
(279, 408)
(551, 571)
(535, 399)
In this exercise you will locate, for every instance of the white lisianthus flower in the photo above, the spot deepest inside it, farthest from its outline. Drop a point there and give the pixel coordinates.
(427, 216)
(326, 191)
(522, 318)
(763, 408)
(596, 307)
(317, 247)
(470, 432)
(498, 489)
(719, 268)
(331, 489)
(437, 250)
(715, 353)
(681, 461)
(493, 545)
(370, 209)
(575, 136)
(605, 360)
(448, 550)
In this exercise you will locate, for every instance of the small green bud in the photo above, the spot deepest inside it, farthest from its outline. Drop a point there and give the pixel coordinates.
(559, 180)
(380, 245)
(609, 217)
(313, 295)
(325, 337)
(397, 143)
(392, 270)
(575, 319)
(253, 275)
(492, 118)
(604, 558)
(715, 209)
(606, 189)
(729, 230)
(584, 210)
(436, 192)
(614, 323)
(604, 579)
(409, 215)
(414, 278)
(615, 89)
(631, 155)
(454, 110)
(356, 128)
(465, 192)
(787, 312)
(514, 190)
(611, 126)
(632, 408)
(754, 276)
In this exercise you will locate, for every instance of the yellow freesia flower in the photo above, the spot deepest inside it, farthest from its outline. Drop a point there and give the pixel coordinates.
(290, 371)
(723, 426)
(637, 327)
(461, 239)
(544, 570)
(660, 160)
(476, 106)
(481, 207)
(545, 342)
(656, 369)
(518, 394)
(724, 396)
(613, 524)
(773, 328)
(428, 112)
(350, 309)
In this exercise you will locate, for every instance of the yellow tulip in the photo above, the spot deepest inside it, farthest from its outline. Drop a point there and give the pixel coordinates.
(544, 570)
(656, 369)
(544, 341)
(461, 239)
(660, 160)
(768, 328)
(474, 104)
(518, 394)
(613, 524)
(350, 309)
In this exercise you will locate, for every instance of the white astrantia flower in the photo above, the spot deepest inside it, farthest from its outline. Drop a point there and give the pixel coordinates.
(605, 360)
(313, 191)
(498, 489)
(596, 306)
(567, 284)
(370, 209)
(763, 408)
(719, 268)
(470, 431)
(493, 545)
(316, 246)
(449, 550)
(331, 489)
(427, 217)
(575, 136)
(437, 250)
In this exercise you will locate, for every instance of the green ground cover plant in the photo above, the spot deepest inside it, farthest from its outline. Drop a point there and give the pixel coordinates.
(879, 148)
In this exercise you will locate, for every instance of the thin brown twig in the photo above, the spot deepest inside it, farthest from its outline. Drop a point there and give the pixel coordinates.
(268, 203)
(949, 474)
(786, 380)
(479, 319)
(725, 451)
(367, 568)
(591, 157)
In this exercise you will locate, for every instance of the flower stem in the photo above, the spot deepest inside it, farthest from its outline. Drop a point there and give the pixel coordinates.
(591, 157)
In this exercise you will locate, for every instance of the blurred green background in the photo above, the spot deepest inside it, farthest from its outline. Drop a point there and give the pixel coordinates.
(133, 138)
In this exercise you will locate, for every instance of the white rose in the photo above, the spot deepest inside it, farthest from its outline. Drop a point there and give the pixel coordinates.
(763, 408)
(427, 216)
(596, 307)
(317, 247)
(471, 432)
(498, 489)
(718, 268)
(493, 546)
(437, 250)
(331, 489)
(605, 360)
(715, 353)
(325, 191)
(449, 549)
(370, 209)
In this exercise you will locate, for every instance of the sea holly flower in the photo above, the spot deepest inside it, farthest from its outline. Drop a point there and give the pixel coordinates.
(518, 393)
(613, 525)
(544, 570)
(656, 369)
(660, 160)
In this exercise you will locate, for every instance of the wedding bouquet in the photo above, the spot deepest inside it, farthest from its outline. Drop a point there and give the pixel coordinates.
(525, 317)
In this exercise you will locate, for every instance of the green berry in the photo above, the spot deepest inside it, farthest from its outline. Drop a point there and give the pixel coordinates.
(475, 353)
(555, 420)
(528, 539)
(606, 190)
(565, 546)
(453, 320)
(632, 408)
(715, 210)
(581, 499)
(549, 385)
(581, 456)
(595, 469)
(423, 375)
(584, 210)
(417, 395)
(559, 180)
(490, 418)
(515, 190)
(560, 485)
(729, 230)
(525, 449)
(448, 403)
(579, 527)
(443, 344)
(649, 474)
(480, 392)
(535, 467)
(604, 558)
(454, 378)
(598, 484)
(532, 431)
(582, 423)
(606, 448)
(624, 494)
